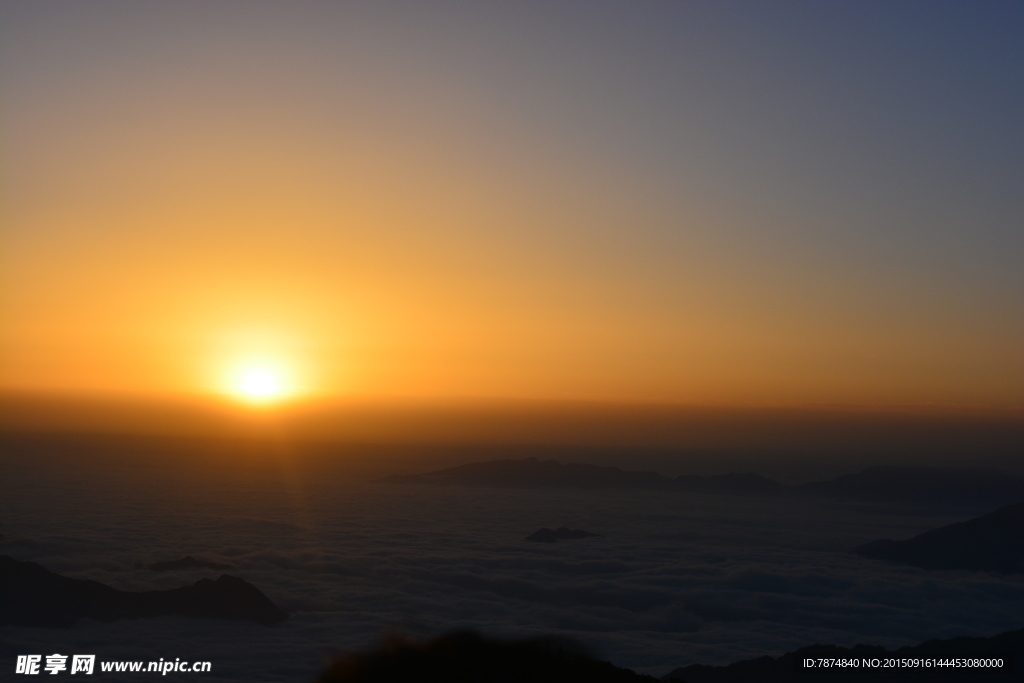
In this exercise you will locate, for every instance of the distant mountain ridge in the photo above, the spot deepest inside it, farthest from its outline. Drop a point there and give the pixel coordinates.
(31, 595)
(187, 562)
(546, 535)
(746, 483)
(534, 473)
(531, 472)
(949, 484)
(922, 484)
(993, 542)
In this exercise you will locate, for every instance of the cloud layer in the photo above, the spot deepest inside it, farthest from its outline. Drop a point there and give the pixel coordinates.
(676, 579)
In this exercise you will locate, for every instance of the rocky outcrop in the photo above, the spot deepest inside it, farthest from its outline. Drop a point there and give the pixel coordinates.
(31, 595)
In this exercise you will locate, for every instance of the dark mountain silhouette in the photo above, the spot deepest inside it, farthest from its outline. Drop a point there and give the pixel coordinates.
(746, 483)
(31, 595)
(994, 542)
(1009, 646)
(935, 485)
(465, 657)
(532, 472)
(188, 562)
(925, 484)
(546, 535)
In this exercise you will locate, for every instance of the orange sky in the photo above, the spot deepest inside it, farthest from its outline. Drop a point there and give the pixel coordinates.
(378, 222)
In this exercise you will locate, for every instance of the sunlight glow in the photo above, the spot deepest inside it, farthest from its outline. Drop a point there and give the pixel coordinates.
(259, 383)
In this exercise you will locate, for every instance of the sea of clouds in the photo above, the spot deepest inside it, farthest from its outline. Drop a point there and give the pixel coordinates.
(677, 578)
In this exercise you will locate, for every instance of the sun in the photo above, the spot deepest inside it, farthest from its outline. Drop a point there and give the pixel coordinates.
(259, 383)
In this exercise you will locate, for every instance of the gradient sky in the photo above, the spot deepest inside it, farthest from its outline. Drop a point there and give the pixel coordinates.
(753, 203)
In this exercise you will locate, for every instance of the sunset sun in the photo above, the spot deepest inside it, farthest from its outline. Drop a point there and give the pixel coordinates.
(259, 383)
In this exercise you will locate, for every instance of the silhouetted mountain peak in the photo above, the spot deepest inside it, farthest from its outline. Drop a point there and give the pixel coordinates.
(993, 542)
(31, 595)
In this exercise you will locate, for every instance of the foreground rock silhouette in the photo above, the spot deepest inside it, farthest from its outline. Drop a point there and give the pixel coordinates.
(31, 595)
(993, 542)
(466, 657)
